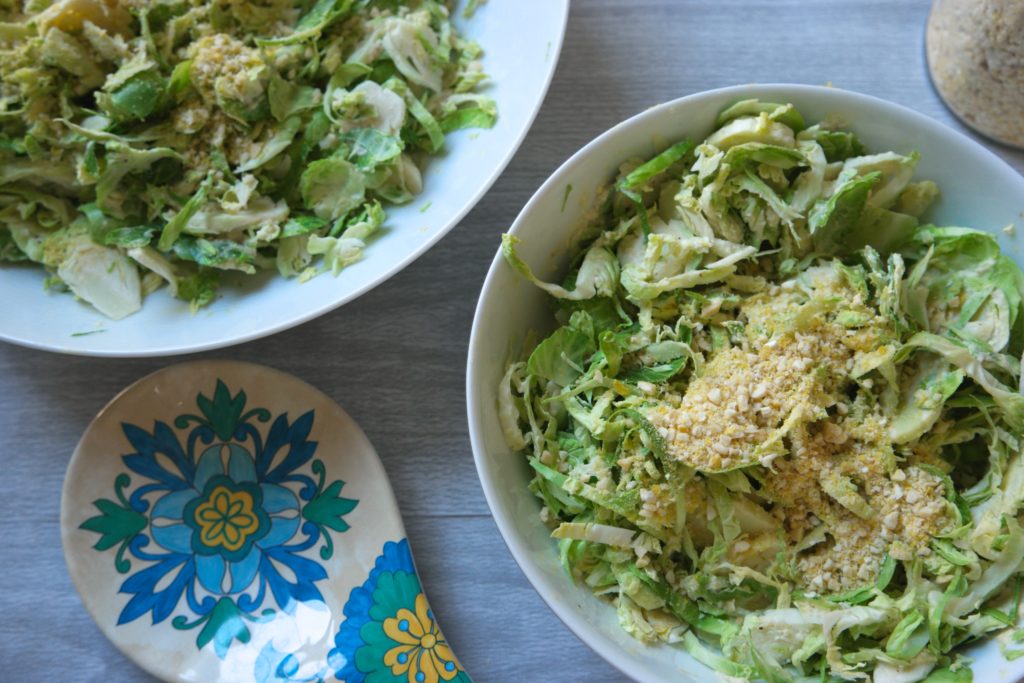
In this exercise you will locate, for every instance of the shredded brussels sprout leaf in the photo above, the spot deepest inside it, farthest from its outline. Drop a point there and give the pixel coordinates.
(166, 142)
(779, 420)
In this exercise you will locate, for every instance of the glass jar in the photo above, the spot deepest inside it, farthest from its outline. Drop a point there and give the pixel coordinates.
(976, 58)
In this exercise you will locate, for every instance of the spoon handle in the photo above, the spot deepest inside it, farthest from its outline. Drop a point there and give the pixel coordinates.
(389, 627)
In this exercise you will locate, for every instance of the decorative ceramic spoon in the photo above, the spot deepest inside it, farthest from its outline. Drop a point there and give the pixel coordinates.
(224, 521)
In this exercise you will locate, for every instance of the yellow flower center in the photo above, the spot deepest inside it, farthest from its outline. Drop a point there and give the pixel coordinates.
(226, 518)
(420, 654)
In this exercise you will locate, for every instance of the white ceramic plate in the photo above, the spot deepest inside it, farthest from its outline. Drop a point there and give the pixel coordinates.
(978, 190)
(521, 40)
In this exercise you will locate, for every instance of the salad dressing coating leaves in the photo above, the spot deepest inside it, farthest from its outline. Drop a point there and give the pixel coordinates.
(144, 143)
(779, 422)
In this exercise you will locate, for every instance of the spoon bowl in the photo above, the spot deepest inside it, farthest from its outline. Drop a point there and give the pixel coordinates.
(226, 521)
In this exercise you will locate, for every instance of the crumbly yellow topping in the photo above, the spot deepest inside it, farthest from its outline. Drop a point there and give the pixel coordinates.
(844, 473)
(733, 413)
(223, 65)
(778, 400)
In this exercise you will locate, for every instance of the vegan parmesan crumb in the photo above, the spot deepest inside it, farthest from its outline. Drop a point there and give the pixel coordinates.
(224, 68)
(976, 56)
(778, 401)
(905, 516)
(743, 398)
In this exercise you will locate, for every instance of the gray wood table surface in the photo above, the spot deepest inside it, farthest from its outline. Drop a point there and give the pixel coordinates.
(395, 358)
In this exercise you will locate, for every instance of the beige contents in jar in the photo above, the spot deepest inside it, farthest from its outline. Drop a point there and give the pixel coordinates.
(976, 56)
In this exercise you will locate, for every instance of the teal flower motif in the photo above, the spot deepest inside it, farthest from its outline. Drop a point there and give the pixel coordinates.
(214, 528)
(227, 518)
(187, 521)
(389, 634)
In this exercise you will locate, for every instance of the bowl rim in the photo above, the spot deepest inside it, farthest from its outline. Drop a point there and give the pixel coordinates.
(385, 275)
(570, 617)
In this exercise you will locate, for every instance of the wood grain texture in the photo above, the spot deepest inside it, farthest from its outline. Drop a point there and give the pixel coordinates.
(395, 358)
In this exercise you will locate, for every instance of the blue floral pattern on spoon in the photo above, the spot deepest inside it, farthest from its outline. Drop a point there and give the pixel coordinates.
(389, 634)
(216, 516)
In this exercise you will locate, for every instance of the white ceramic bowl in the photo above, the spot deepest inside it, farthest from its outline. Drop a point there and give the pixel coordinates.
(521, 42)
(978, 190)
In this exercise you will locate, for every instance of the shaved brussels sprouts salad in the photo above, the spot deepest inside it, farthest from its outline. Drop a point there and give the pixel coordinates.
(145, 143)
(780, 420)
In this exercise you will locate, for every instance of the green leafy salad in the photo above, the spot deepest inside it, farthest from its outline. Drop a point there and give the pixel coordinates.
(780, 420)
(152, 142)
